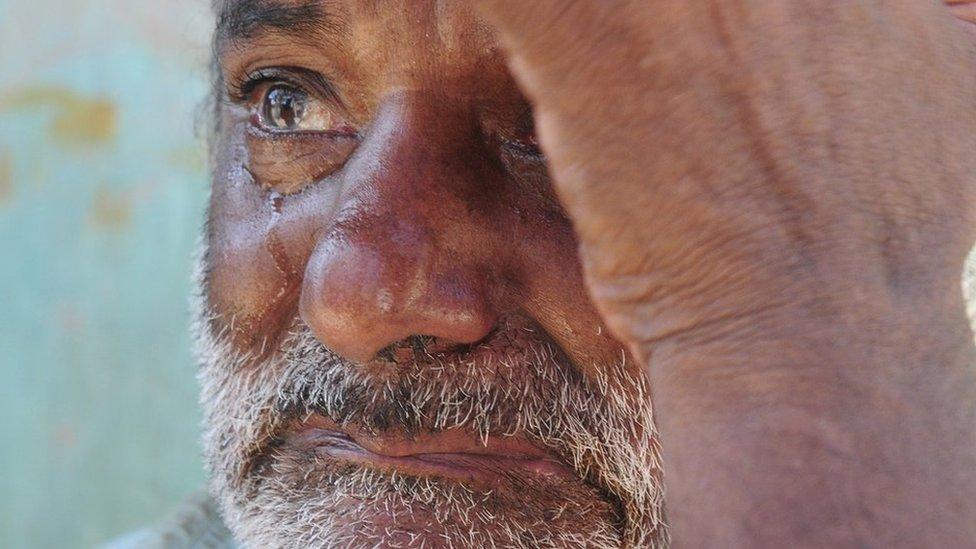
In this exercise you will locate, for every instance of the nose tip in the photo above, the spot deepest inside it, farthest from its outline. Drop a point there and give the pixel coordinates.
(359, 299)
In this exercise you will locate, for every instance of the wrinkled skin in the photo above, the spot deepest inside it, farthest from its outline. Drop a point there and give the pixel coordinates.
(421, 207)
(777, 228)
(772, 202)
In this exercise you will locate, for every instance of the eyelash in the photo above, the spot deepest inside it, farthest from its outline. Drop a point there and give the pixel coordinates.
(240, 91)
(310, 82)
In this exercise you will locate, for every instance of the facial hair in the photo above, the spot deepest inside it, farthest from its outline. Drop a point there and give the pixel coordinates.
(274, 495)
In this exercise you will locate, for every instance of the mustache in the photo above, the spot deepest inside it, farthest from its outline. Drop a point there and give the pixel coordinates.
(480, 391)
(478, 387)
(601, 425)
(503, 386)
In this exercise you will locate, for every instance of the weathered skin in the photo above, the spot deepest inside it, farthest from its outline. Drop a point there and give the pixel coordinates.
(774, 201)
(434, 216)
(489, 237)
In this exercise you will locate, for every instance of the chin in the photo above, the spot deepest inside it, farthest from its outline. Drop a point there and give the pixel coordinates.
(315, 502)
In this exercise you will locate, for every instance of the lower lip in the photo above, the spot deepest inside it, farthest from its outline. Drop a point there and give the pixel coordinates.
(465, 466)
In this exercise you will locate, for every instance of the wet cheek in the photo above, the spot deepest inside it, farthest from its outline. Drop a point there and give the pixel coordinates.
(260, 243)
(250, 281)
(254, 269)
(250, 288)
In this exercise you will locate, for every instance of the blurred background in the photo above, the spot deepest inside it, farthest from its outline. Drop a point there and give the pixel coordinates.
(102, 191)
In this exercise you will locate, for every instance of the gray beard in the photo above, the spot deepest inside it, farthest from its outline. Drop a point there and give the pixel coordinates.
(270, 496)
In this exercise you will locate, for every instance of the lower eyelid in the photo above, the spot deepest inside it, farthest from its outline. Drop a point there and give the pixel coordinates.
(289, 161)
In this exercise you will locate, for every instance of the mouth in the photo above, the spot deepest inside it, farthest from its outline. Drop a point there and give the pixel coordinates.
(450, 454)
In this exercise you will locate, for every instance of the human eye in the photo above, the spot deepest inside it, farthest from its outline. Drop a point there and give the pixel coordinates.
(286, 108)
(294, 128)
(292, 100)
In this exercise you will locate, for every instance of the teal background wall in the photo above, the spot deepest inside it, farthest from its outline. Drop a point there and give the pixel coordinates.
(102, 191)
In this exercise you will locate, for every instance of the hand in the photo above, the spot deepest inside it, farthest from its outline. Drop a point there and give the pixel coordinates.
(774, 201)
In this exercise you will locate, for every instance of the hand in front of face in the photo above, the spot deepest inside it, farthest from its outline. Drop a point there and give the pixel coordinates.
(774, 201)
(727, 161)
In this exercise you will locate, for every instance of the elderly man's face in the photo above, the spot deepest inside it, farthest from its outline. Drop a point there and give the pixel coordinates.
(397, 347)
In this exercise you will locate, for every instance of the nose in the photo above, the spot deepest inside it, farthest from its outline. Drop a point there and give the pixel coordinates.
(415, 246)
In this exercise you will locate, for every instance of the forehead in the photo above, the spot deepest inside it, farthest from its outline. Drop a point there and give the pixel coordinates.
(448, 24)
(368, 48)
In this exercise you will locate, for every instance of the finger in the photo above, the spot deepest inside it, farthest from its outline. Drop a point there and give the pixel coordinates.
(723, 99)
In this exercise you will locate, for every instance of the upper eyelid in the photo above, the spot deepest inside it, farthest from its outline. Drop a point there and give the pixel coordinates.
(308, 80)
(240, 90)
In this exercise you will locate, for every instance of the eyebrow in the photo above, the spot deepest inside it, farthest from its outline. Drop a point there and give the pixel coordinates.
(242, 19)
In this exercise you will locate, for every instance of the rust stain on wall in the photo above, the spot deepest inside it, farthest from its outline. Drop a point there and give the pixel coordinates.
(111, 211)
(95, 123)
(6, 177)
(78, 120)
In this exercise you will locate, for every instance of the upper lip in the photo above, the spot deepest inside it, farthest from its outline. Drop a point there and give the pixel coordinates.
(453, 454)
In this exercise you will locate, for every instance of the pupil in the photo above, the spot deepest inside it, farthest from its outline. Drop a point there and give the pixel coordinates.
(284, 108)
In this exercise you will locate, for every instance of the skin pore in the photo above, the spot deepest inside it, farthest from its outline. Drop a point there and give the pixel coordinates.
(770, 202)
(397, 346)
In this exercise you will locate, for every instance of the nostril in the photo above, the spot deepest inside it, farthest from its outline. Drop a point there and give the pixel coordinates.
(424, 348)
(406, 349)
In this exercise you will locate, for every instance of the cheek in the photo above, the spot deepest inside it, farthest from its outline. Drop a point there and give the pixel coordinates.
(248, 290)
(552, 279)
(246, 283)
(255, 258)
(559, 300)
